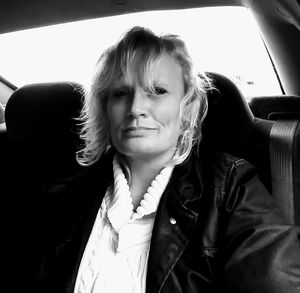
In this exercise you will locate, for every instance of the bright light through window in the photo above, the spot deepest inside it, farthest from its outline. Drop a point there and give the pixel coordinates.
(224, 40)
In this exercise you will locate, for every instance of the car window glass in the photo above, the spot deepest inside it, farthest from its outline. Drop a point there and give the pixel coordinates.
(223, 39)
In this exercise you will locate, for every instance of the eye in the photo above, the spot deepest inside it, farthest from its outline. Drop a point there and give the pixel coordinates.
(159, 90)
(121, 92)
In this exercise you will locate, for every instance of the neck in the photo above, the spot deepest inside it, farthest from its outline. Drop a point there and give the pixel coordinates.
(142, 173)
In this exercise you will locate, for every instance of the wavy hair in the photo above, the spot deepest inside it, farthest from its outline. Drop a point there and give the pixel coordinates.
(113, 63)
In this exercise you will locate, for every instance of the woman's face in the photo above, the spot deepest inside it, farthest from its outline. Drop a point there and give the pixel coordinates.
(142, 124)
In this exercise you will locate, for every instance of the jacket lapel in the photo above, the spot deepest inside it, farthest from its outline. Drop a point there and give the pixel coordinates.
(175, 221)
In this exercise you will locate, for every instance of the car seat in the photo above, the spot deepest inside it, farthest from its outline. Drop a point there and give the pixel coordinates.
(41, 125)
(42, 135)
(284, 114)
(231, 126)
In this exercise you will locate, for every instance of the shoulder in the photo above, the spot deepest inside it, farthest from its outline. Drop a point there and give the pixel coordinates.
(63, 184)
(217, 168)
(225, 167)
(84, 181)
(226, 162)
(235, 183)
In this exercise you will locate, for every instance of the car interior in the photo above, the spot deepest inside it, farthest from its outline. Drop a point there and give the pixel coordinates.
(39, 125)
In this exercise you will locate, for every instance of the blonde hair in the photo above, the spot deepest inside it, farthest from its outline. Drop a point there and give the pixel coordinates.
(113, 63)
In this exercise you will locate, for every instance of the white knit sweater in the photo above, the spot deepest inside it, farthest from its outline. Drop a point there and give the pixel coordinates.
(116, 255)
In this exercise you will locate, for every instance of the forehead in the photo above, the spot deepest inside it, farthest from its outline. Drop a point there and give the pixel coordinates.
(145, 71)
(167, 69)
(162, 67)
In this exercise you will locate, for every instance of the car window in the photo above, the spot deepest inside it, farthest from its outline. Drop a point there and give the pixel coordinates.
(5, 92)
(223, 39)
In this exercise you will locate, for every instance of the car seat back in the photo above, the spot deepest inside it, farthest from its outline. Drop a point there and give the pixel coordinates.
(42, 136)
(231, 126)
(229, 122)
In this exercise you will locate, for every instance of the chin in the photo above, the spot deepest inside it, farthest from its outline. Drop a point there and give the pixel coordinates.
(136, 152)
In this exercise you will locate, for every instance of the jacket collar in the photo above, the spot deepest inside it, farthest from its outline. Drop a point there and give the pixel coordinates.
(187, 186)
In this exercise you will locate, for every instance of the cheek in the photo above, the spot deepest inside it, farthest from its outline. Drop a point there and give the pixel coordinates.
(172, 121)
(114, 114)
(176, 125)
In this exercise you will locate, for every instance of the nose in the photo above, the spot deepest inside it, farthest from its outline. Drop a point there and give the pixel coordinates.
(138, 105)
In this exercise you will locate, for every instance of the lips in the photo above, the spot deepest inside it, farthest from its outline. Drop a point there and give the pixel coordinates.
(137, 128)
(138, 131)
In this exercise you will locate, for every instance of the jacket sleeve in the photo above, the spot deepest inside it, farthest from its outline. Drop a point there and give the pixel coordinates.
(261, 253)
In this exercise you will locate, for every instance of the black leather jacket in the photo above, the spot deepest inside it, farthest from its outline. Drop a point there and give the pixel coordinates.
(227, 233)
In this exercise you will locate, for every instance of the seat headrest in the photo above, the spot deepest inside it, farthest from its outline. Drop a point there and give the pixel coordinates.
(229, 120)
(43, 111)
(276, 107)
(42, 131)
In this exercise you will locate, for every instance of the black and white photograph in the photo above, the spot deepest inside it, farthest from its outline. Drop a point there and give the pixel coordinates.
(150, 146)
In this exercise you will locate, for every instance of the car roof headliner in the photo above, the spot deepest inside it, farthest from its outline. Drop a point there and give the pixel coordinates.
(19, 14)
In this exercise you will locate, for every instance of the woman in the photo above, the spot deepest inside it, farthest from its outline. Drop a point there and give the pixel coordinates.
(150, 214)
